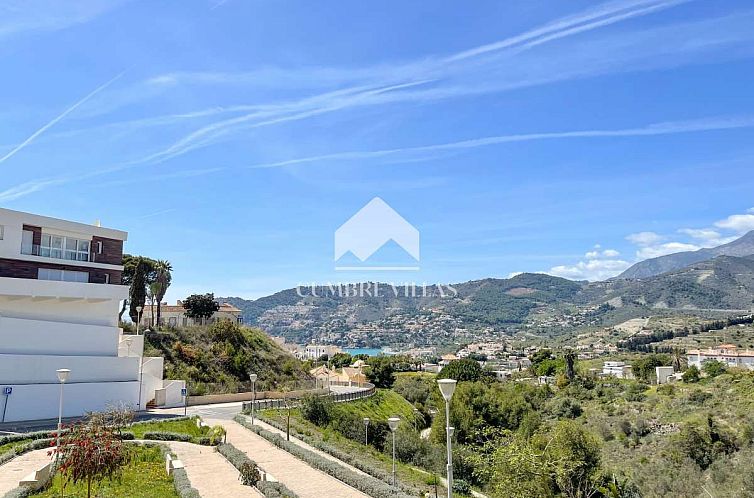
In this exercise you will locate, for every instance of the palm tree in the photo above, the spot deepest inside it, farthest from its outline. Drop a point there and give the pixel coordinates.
(164, 270)
(570, 359)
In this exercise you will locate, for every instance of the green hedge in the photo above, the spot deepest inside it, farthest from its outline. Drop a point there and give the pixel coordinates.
(36, 444)
(343, 456)
(269, 489)
(364, 483)
(183, 485)
(167, 436)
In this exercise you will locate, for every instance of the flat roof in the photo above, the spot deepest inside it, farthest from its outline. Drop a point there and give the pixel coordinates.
(64, 225)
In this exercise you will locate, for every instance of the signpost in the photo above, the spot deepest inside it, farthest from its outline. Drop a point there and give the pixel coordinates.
(184, 393)
(7, 391)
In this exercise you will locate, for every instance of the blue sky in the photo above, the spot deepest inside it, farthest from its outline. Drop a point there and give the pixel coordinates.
(234, 137)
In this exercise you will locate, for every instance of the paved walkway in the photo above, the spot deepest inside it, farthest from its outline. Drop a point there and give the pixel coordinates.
(295, 474)
(13, 471)
(210, 473)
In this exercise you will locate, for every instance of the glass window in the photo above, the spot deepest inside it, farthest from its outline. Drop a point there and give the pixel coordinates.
(57, 246)
(2, 229)
(62, 275)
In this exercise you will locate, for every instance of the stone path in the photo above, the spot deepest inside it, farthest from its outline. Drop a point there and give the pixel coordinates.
(295, 474)
(210, 473)
(13, 471)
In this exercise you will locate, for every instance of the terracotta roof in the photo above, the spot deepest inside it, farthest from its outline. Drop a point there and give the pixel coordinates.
(224, 307)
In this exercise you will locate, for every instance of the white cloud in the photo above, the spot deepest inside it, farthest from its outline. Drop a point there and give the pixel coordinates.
(515, 274)
(739, 223)
(597, 254)
(701, 233)
(663, 249)
(610, 253)
(644, 238)
(594, 269)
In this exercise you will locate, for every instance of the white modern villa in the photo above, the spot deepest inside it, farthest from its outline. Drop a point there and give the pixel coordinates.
(59, 301)
(725, 353)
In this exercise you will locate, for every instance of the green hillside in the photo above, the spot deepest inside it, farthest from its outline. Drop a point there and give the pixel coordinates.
(218, 358)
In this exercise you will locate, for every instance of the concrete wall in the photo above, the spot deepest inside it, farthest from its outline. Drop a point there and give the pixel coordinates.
(40, 401)
(24, 369)
(31, 337)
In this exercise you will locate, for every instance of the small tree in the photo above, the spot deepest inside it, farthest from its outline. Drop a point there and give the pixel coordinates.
(200, 306)
(381, 372)
(570, 361)
(691, 374)
(91, 452)
(462, 370)
(713, 368)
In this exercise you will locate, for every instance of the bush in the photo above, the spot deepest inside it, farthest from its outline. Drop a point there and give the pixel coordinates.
(183, 485)
(461, 486)
(249, 474)
(691, 374)
(316, 409)
(666, 389)
(567, 408)
(366, 484)
(713, 368)
(167, 436)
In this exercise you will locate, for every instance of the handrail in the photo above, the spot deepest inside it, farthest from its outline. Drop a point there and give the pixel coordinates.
(264, 404)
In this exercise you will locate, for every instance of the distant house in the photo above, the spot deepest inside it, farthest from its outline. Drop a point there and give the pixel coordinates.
(617, 369)
(664, 374)
(728, 354)
(315, 351)
(447, 358)
(175, 315)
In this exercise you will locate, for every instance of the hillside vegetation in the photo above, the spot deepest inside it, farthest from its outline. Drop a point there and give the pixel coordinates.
(218, 358)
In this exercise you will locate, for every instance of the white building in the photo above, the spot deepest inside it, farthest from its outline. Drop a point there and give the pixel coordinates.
(315, 351)
(59, 302)
(617, 369)
(725, 353)
(664, 374)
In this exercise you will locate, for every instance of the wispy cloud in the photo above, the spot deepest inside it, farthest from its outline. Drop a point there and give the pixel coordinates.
(57, 118)
(430, 78)
(21, 16)
(665, 128)
(27, 188)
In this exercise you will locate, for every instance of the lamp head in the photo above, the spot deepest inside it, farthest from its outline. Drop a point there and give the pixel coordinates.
(393, 423)
(447, 387)
(63, 374)
(366, 420)
(138, 309)
(253, 377)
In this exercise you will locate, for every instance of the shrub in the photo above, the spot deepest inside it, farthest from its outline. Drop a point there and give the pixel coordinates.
(183, 485)
(316, 409)
(691, 374)
(567, 408)
(666, 389)
(713, 368)
(249, 474)
(461, 486)
(167, 436)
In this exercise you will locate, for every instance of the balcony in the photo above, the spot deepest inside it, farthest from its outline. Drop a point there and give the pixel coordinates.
(55, 253)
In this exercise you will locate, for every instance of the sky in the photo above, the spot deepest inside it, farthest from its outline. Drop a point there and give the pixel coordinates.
(234, 137)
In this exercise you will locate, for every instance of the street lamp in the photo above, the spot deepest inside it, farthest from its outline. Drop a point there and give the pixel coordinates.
(253, 379)
(393, 423)
(447, 386)
(138, 318)
(63, 374)
(366, 431)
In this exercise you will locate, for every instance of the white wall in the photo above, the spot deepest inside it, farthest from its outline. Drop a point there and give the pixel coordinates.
(21, 336)
(40, 401)
(27, 369)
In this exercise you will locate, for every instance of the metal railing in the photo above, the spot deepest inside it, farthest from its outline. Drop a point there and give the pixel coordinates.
(55, 253)
(264, 404)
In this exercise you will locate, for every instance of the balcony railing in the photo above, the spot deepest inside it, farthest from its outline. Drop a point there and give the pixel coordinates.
(54, 253)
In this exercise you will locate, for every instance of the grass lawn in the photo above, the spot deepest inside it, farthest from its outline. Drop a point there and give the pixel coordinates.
(180, 426)
(144, 477)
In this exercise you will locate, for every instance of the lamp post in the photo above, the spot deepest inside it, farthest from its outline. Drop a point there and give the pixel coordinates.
(63, 374)
(447, 386)
(138, 318)
(393, 423)
(366, 431)
(253, 379)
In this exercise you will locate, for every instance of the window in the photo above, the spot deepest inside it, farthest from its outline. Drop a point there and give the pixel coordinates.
(99, 247)
(57, 246)
(107, 278)
(62, 275)
(2, 229)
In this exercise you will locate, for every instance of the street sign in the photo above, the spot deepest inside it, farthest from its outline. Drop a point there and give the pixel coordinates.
(184, 391)
(7, 391)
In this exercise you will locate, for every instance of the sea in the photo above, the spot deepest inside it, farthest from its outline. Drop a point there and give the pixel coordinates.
(366, 351)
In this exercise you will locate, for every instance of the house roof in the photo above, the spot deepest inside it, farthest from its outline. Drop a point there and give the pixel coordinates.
(224, 308)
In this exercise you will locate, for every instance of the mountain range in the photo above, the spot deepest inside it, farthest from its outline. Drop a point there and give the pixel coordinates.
(743, 246)
(699, 282)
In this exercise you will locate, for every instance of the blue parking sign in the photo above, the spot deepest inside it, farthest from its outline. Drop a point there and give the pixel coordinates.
(184, 391)
(7, 391)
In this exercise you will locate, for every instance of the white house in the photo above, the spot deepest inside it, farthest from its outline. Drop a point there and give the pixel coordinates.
(725, 353)
(664, 374)
(617, 369)
(315, 351)
(175, 315)
(59, 300)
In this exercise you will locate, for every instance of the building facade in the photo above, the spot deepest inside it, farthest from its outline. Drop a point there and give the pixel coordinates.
(175, 315)
(728, 354)
(59, 302)
(617, 369)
